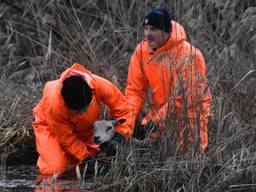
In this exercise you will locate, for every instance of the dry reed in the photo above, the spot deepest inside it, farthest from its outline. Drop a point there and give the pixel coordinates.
(41, 38)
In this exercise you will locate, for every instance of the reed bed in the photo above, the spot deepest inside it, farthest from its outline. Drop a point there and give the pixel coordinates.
(38, 39)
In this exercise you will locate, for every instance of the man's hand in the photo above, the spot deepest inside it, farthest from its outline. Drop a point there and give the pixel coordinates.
(113, 144)
(142, 131)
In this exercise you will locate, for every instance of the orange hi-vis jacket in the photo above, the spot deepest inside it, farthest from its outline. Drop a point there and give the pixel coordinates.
(175, 77)
(62, 135)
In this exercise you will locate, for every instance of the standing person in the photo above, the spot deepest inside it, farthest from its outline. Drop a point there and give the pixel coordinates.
(173, 72)
(65, 115)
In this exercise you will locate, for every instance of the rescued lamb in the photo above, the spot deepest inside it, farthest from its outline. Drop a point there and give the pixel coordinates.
(104, 130)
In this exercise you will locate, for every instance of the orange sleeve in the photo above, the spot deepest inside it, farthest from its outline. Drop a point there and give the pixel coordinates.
(63, 129)
(137, 84)
(118, 106)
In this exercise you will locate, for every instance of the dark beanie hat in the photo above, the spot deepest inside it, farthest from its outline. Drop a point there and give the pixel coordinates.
(158, 17)
(76, 92)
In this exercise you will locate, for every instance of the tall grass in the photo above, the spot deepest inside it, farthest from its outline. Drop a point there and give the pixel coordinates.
(41, 38)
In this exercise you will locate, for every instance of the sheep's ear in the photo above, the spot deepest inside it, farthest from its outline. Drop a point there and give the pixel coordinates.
(119, 122)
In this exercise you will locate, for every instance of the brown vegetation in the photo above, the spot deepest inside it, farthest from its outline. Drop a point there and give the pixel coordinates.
(38, 39)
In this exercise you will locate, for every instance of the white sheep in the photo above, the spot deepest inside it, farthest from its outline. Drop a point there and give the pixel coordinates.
(104, 130)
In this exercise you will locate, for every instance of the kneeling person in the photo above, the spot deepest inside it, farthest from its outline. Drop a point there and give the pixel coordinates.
(65, 115)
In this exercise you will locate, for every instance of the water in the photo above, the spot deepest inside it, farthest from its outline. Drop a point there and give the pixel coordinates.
(27, 179)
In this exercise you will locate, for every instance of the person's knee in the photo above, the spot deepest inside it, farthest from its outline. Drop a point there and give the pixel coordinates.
(56, 166)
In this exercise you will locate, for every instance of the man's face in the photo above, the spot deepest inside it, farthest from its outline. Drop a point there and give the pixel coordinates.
(155, 37)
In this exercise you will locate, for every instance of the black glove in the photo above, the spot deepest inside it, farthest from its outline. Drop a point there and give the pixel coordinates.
(90, 162)
(142, 131)
(113, 144)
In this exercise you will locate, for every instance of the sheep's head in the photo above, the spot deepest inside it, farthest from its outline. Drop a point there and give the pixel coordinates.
(104, 130)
